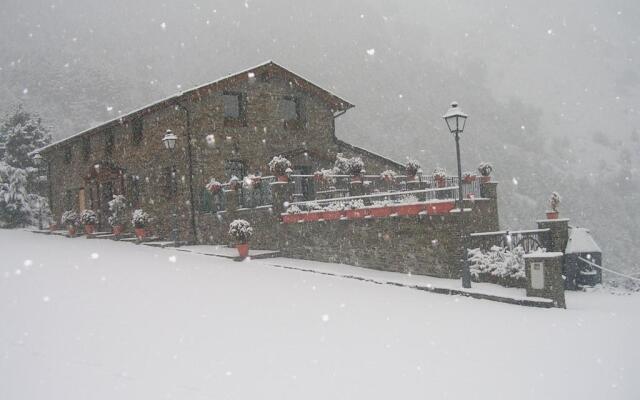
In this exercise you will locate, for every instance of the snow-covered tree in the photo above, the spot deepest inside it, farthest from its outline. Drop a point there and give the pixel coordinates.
(21, 133)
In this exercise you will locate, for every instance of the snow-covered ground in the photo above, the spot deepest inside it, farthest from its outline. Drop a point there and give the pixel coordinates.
(96, 319)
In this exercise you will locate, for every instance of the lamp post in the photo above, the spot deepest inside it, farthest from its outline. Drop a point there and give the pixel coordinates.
(37, 160)
(456, 120)
(169, 141)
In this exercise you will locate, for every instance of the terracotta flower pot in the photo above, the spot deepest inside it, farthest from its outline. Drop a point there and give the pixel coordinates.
(485, 179)
(243, 250)
(72, 230)
(117, 230)
(469, 179)
(552, 215)
(441, 182)
(89, 229)
(356, 179)
(283, 178)
(140, 233)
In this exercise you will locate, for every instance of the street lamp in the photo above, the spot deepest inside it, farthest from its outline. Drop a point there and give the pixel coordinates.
(169, 141)
(456, 120)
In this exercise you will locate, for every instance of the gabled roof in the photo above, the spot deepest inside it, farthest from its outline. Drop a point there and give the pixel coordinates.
(269, 67)
(581, 241)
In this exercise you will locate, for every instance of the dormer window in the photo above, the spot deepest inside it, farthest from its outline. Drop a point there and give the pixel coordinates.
(234, 109)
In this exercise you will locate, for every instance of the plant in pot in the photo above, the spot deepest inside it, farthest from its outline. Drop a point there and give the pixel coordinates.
(89, 219)
(355, 168)
(411, 168)
(279, 166)
(440, 176)
(241, 231)
(554, 203)
(139, 219)
(70, 220)
(234, 183)
(213, 186)
(388, 176)
(117, 207)
(468, 177)
(485, 170)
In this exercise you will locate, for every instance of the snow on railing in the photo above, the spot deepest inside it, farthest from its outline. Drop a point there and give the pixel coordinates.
(608, 270)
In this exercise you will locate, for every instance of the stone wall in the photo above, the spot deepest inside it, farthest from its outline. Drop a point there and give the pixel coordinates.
(425, 245)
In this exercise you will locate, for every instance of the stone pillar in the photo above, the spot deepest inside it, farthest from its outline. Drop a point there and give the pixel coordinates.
(558, 233)
(489, 190)
(544, 276)
(231, 200)
(281, 194)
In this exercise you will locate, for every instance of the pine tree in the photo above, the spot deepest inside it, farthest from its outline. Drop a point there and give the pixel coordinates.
(21, 133)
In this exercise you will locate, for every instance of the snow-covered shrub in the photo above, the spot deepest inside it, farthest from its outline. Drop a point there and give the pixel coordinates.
(40, 210)
(213, 186)
(439, 173)
(356, 203)
(293, 209)
(325, 175)
(554, 201)
(69, 218)
(485, 168)
(382, 203)
(88, 217)
(388, 175)
(334, 206)
(412, 167)
(314, 206)
(240, 230)
(139, 219)
(355, 166)
(117, 207)
(407, 199)
(15, 208)
(498, 265)
(279, 165)
(468, 176)
(341, 165)
(251, 182)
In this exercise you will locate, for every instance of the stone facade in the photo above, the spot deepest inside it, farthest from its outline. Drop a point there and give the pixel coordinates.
(126, 156)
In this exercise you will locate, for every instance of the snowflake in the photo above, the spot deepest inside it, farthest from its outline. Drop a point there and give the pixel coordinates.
(371, 52)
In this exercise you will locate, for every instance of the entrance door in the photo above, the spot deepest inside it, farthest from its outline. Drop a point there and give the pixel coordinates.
(105, 193)
(303, 186)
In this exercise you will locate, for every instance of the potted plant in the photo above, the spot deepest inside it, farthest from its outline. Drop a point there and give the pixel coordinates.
(485, 170)
(70, 219)
(214, 186)
(89, 219)
(139, 219)
(468, 177)
(355, 166)
(241, 231)
(388, 176)
(279, 166)
(117, 208)
(412, 167)
(440, 176)
(554, 202)
(234, 183)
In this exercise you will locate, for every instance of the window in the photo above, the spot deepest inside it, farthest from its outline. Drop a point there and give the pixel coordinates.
(68, 155)
(109, 142)
(289, 109)
(136, 131)
(235, 168)
(289, 112)
(234, 109)
(86, 148)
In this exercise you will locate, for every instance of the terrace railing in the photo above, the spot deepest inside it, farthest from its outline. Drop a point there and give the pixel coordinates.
(530, 240)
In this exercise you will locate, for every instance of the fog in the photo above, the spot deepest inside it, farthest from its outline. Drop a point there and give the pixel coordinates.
(552, 88)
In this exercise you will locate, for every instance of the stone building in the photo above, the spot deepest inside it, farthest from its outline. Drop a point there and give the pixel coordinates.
(232, 126)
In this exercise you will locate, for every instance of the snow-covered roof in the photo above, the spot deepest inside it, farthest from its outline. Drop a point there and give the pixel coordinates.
(334, 101)
(581, 241)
